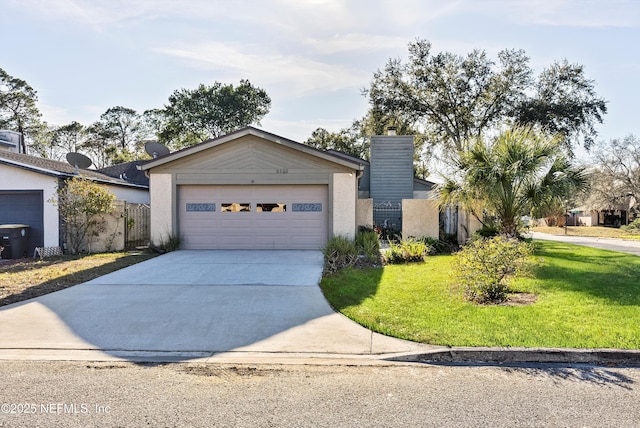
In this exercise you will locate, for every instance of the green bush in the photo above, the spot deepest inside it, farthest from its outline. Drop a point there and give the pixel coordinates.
(340, 252)
(368, 244)
(171, 243)
(436, 246)
(488, 231)
(405, 251)
(633, 227)
(484, 267)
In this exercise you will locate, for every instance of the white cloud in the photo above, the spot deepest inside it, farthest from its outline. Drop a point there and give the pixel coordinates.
(300, 130)
(298, 74)
(570, 13)
(353, 43)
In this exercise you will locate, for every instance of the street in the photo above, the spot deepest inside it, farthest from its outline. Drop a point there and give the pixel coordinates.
(197, 394)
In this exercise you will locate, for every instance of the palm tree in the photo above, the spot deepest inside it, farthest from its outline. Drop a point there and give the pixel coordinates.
(510, 175)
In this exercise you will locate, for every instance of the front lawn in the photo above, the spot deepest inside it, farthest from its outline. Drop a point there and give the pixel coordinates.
(28, 278)
(586, 298)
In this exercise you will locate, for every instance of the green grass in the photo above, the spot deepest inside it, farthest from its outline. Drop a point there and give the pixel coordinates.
(591, 231)
(28, 278)
(586, 298)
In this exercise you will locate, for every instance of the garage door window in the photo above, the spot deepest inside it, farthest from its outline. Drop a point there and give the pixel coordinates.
(307, 207)
(271, 207)
(236, 207)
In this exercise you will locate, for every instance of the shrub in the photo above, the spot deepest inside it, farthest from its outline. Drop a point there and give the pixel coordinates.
(171, 243)
(405, 251)
(368, 244)
(340, 252)
(437, 246)
(484, 267)
(81, 205)
(633, 227)
(486, 231)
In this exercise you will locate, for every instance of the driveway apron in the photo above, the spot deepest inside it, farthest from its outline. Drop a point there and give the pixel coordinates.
(195, 303)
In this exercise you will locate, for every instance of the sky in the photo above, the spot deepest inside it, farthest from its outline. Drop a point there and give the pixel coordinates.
(313, 57)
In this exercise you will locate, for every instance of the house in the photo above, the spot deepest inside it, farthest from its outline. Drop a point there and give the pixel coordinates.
(251, 189)
(27, 184)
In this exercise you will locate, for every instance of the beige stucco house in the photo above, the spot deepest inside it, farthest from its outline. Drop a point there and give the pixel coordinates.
(251, 189)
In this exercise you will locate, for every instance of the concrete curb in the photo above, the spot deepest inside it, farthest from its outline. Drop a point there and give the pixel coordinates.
(525, 355)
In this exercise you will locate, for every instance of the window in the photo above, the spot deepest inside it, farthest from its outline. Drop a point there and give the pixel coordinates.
(271, 207)
(201, 207)
(236, 207)
(308, 207)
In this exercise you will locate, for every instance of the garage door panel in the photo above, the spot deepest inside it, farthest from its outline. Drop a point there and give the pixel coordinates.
(270, 223)
(24, 207)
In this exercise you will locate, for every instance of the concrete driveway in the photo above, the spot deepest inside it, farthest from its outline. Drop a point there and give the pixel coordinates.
(192, 304)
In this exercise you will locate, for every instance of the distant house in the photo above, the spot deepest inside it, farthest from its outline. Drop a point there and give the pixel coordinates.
(27, 184)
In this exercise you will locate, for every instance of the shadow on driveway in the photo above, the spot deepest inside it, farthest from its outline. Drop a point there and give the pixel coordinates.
(194, 304)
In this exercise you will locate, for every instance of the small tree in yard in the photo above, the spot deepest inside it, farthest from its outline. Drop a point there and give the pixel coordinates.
(82, 204)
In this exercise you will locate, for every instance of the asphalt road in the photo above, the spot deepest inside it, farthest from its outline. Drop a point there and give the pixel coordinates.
(72, 394)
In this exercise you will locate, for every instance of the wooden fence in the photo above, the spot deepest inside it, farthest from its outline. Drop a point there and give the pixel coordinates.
(137, 230)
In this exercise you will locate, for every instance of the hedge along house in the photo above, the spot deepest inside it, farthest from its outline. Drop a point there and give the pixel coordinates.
(27, 185)
(251, 189)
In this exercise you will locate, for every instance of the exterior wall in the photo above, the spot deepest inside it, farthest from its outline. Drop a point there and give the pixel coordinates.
(421, 194)
(248, 161)
(391, 168)
(112, 237)
(420, 218)
(131, 195)
(364, 212)
(12, 178)
(343, 194)
(467, 226)
(162, 199)
(588, 219)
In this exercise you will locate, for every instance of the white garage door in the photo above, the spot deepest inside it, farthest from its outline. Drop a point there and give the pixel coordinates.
(253, 217)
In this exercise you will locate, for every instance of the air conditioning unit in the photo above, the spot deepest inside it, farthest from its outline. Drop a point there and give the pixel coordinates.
(10, 140)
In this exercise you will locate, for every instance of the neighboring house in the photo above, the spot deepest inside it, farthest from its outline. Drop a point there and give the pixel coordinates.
(613, 217)
(27, 184)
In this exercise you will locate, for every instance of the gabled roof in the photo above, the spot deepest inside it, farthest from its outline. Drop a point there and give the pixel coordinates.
(346, 156)
(349, 163)
(58, 169)
(127, 171)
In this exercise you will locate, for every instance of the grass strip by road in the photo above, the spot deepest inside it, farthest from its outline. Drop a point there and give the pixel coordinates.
(586, 298)
(591, 231)
(28, 278)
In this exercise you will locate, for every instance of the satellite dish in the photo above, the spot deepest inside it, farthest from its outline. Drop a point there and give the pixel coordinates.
(155, 149)
(78, 160)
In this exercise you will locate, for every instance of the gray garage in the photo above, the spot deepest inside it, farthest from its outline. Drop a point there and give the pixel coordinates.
(24, 207)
